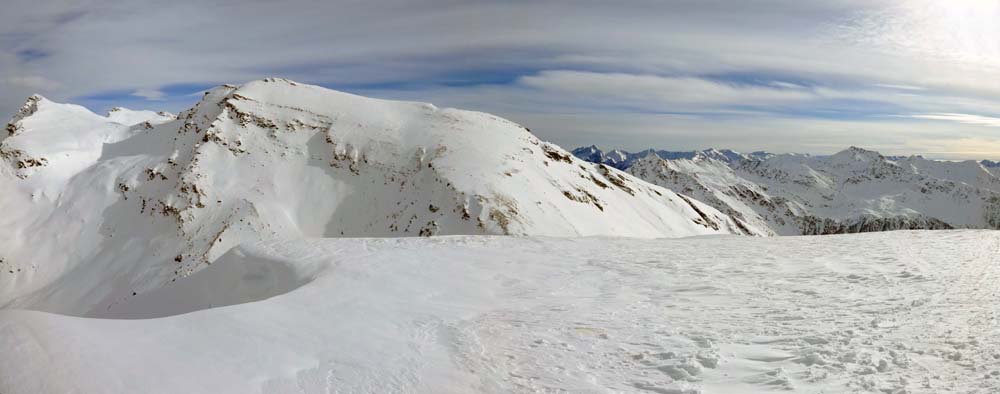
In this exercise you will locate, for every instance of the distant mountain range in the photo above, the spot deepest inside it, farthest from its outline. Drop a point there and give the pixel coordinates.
(855, 190)
(622, 159)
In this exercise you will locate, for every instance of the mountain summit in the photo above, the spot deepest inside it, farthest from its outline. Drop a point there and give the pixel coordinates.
(157, 197)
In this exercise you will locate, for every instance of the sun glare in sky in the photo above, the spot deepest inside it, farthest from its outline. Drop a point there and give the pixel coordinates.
(966, 32)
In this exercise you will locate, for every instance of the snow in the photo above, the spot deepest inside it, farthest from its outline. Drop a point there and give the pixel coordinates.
(280, 237)
(102, 208)
(884, 312)
(710, 181)
(853, 190)
(623, 160)
(130, 117)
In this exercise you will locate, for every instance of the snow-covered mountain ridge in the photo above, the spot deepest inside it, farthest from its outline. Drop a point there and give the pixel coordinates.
(622, 160)
(104, 207)
(856, 190)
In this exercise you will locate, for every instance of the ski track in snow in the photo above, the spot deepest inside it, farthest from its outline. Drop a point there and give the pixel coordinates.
(896, 312)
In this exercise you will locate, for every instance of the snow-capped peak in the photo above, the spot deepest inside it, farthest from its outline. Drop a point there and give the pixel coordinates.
(29, 108)
(130, 117)
(856, 154)
(275, 158)
(723, 155)
(854, 190)
(589, 150)
(64, 138)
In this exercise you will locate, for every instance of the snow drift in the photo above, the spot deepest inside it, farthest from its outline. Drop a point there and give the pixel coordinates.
(105, 208)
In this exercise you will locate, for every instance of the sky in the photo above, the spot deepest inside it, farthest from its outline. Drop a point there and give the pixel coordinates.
(899, 76)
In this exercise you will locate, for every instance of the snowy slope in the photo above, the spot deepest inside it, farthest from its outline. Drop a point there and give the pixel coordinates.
(103, 208)
(714, 183)
(65, 138)
(855, 190)
(892, 312)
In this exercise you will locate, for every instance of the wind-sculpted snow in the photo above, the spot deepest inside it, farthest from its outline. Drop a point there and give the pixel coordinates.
(853, 191)
(891, 312)
(247, 273)
(101, 209)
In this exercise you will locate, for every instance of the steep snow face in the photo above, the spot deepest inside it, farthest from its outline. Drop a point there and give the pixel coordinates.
(152, 199)
(900, 312)
(714, 183)
(852, 191)
(57, 192)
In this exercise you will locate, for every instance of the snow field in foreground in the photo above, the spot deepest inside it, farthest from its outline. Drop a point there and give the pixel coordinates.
(889, 312)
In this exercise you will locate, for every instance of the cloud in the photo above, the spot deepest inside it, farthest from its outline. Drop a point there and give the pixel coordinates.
(961, 33)
(732, 65)
(32, 82)
(963, 118)
(150, 94)
(899, 87)
(29, 54)
(664, 93)
(782, 134)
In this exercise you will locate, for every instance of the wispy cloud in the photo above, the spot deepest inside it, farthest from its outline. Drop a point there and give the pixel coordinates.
(664, 93)
(150, 94)
(32, 82)
(963, 118)
(861, 62)
(899, 87)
